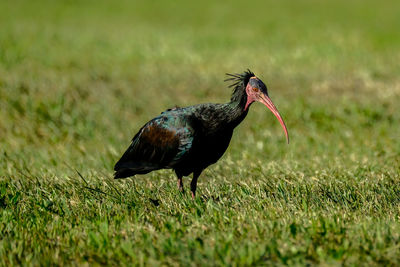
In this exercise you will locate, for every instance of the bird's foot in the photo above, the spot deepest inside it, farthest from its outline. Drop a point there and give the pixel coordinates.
(193, 195)
(180, 185)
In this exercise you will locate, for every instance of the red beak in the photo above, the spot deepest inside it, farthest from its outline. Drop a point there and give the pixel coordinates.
(268, 102)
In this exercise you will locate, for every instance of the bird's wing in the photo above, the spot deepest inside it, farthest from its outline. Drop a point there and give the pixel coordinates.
(161, 143)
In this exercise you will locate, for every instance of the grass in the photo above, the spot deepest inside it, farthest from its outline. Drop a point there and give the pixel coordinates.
(78, 79)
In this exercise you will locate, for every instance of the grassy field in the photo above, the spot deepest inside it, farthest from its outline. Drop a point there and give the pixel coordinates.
(78, 79)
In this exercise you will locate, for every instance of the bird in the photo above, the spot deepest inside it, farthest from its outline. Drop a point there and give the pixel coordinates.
(189, 139)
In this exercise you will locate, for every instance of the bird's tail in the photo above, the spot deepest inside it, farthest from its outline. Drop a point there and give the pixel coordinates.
(127, 169)
(123, 173)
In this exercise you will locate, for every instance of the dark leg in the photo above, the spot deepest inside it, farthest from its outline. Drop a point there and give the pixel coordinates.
(180, 184)
(193, 184)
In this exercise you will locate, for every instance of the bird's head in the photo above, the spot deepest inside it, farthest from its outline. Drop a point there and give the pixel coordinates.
(255, 90)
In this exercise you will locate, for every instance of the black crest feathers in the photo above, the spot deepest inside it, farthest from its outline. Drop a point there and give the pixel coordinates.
(239, 78)
(239, 83)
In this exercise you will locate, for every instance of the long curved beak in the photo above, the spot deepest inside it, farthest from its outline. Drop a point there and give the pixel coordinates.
(268, 102)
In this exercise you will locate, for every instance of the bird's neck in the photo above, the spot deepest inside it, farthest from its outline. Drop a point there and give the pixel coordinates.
(236, 108)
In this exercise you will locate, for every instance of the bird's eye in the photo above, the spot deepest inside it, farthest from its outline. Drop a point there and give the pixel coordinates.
(255, 89)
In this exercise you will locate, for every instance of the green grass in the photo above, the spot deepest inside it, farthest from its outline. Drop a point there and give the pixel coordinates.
(78, 79)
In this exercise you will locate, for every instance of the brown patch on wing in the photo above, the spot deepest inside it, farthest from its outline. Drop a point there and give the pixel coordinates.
(173, 108)
(160, 137)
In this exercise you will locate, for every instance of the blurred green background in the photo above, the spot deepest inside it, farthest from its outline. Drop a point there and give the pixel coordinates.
(79, 78)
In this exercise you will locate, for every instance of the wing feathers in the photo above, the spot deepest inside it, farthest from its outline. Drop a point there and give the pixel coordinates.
(161, 143)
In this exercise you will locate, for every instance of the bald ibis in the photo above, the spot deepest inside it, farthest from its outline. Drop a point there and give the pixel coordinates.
(190, 139)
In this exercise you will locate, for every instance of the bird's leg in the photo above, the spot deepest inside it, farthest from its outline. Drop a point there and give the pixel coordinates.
(193, 184)
(180, 184)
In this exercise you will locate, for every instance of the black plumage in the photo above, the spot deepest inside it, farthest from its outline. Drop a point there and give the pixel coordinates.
(190, 139)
